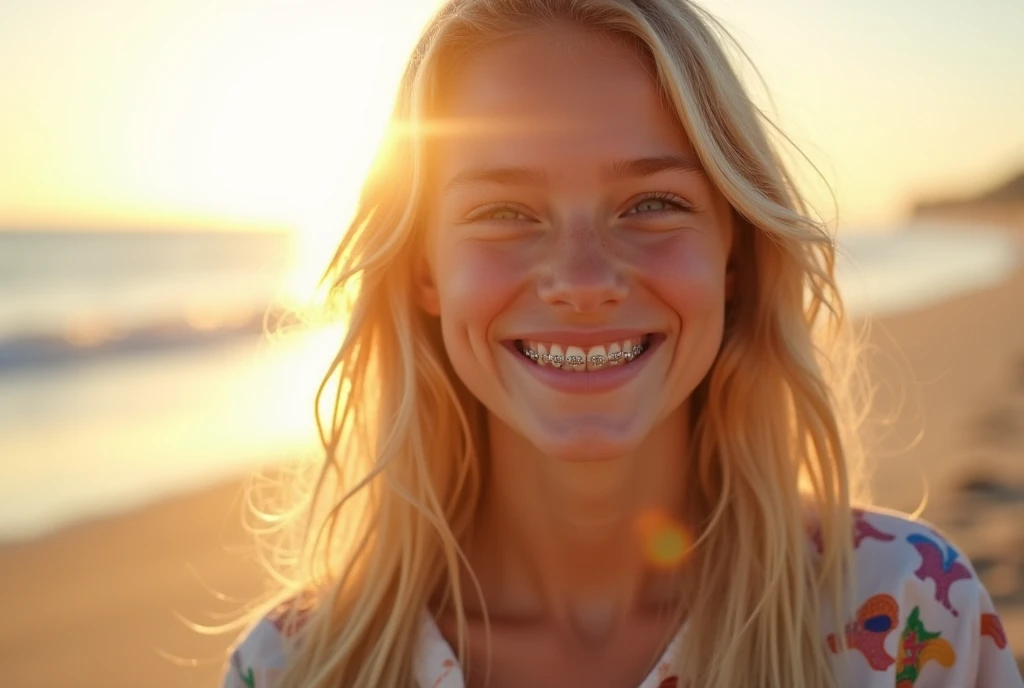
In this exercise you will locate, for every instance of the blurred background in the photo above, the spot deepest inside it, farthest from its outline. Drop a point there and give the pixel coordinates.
(174, 172)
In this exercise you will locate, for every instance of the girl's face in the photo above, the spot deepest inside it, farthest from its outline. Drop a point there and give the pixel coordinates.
(569, 216)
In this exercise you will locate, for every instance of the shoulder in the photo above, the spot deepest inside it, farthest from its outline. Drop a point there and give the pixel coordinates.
(912, 561)
(920, 608)
(260, 655)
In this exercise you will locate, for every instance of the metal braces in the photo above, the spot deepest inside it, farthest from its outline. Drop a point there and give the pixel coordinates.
(597, 360)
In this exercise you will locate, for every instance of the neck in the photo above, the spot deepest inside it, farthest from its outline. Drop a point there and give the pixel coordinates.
(560, 541)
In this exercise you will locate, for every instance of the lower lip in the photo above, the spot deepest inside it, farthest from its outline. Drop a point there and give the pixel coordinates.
(589, 382)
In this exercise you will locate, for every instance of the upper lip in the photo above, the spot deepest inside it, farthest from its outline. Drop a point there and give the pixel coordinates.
(581, 337)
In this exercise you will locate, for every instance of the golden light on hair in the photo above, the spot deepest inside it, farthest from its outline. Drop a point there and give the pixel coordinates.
(442, 127)
(664, 540)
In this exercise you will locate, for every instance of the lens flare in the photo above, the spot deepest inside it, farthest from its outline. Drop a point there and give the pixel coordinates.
(664, 540)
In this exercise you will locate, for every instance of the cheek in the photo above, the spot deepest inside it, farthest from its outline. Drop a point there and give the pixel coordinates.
(689, 275)
(476, 281)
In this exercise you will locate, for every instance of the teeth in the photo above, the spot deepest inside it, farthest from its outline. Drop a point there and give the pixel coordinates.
(627, 349)
(542, 352)
(614, 354)
(556, 356)
(577, 359)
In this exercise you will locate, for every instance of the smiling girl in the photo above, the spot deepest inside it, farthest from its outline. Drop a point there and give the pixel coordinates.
(591, 428)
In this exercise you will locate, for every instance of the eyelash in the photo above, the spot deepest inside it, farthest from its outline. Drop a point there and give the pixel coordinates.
(482, 213)
(667, 197)
(682, 205)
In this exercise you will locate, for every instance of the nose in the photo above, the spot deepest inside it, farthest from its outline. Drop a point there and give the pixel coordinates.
(582, 273)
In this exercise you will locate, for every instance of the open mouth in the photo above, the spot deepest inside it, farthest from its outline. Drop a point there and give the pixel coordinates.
(580, 359)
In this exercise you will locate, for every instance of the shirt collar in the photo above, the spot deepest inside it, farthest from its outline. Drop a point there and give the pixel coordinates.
(436, 666)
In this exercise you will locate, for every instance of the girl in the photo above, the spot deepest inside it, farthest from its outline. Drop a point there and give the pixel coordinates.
(587, 433)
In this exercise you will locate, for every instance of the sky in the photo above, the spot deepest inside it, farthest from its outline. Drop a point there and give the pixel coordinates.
(259, 114)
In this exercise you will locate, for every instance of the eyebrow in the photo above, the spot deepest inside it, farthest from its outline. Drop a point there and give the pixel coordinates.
(615, 171)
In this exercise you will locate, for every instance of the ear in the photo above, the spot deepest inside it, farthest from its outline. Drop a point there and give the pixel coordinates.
(426, 287)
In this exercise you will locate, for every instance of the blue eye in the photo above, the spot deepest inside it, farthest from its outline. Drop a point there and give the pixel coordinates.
(659, 203)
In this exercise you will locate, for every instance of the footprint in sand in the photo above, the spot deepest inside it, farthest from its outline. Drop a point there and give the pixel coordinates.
(975, 494)
(1004, 581)
(987, 502)
(987, 487)
(999, 426)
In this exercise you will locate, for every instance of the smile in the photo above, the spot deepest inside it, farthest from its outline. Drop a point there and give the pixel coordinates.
(579, 359)
(585, 369)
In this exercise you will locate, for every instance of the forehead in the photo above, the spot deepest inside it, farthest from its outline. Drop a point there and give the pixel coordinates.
(553, 97)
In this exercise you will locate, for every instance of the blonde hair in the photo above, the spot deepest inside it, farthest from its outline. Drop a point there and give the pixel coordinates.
(773, 440)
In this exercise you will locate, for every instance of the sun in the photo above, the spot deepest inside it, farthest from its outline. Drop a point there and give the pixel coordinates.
(331, 151)
(224, 118)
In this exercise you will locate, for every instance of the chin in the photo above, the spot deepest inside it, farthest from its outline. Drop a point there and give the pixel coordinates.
(593, 447)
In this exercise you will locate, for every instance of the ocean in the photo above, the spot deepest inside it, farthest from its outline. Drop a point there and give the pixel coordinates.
(133, 366)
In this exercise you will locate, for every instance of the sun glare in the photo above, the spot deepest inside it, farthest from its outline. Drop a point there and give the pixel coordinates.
(215, 115)
(320, 130)
(335, 149)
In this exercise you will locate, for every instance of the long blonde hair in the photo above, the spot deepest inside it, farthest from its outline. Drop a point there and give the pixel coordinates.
(772, 437)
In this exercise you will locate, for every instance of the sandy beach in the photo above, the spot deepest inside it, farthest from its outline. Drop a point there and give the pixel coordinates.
(99, 604)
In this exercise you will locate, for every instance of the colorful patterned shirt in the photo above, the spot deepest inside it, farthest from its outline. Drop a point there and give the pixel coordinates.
(923, 620)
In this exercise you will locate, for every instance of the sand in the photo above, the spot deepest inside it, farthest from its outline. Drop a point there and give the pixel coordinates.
(98, 604)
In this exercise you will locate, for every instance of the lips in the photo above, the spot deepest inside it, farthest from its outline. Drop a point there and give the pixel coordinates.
(581, 338)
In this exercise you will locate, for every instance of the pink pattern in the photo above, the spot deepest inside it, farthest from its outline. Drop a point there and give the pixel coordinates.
(862, 529)
(941, 566)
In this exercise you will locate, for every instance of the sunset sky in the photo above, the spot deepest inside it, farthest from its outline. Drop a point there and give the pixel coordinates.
(250, 113)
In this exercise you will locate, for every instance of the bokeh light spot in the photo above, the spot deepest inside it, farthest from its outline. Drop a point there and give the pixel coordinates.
(664, 540)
